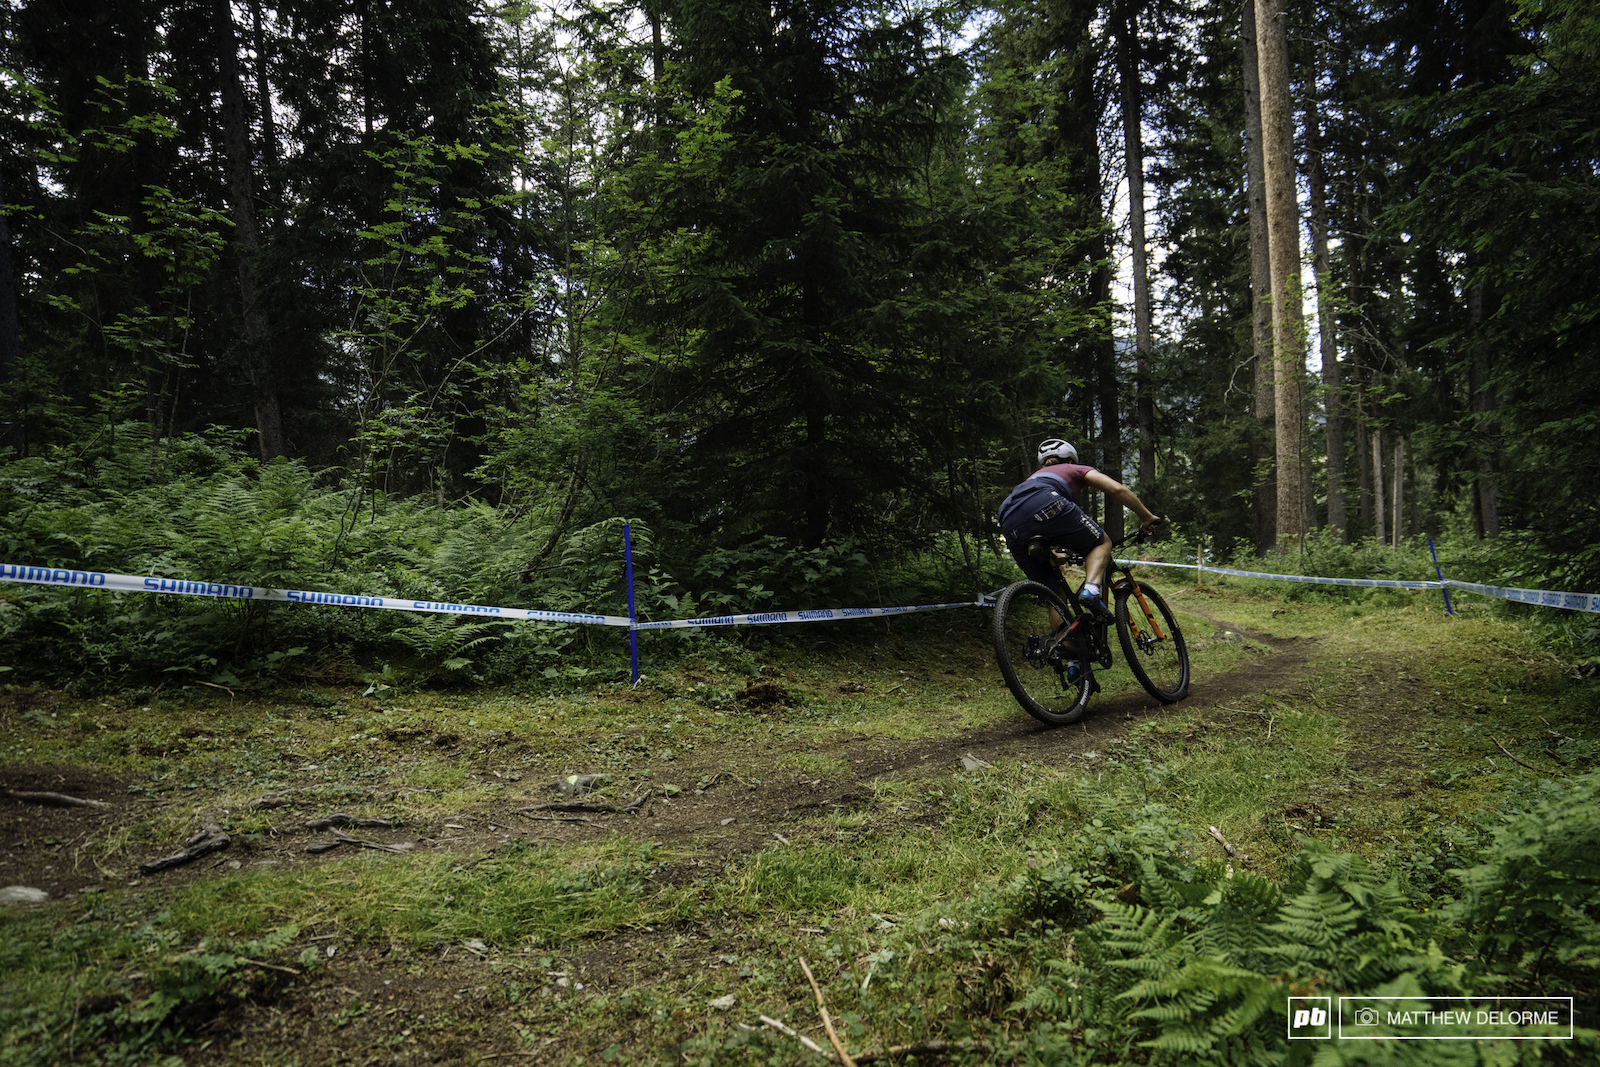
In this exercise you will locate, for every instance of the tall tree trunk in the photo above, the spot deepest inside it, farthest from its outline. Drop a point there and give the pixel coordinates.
(1380, 531)
(1084, 108)
(364, 17)
(1133, 148)
(1399, 475)
(241, 197)
(1332, 397)
(1263, 452)
(1485, 490)
(1357, 285)
(269, 127)
(1106, 389)
(1283, 242)
(1363, 474)
(10, 336)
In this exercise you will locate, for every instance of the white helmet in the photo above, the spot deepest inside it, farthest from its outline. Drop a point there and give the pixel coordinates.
(1056, 450)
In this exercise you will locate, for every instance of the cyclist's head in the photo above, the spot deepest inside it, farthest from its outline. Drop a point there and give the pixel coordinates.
(1056, 450)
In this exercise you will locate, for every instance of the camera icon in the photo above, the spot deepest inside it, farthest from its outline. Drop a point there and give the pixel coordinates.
(1365, 1017)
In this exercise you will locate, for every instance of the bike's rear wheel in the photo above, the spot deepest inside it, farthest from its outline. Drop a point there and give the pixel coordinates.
(1152, 642)
(1027, 642)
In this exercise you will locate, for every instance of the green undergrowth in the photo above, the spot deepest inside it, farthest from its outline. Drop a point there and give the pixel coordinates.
(1411, 812)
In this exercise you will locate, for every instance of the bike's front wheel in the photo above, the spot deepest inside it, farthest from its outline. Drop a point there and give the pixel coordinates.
(1048, 679)
(1152, 642)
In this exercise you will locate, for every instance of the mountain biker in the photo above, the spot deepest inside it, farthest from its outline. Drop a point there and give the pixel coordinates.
(1046, 504)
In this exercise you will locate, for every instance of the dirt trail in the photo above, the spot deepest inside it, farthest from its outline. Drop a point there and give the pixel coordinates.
(44, 846)
(373, 1004)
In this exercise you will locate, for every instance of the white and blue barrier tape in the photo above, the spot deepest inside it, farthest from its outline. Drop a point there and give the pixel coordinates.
(763, 618)
(128, 583)
(1370, 583)
(1542, 597)
(85, 579)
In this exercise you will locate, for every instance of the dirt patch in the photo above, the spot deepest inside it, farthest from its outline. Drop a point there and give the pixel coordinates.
(42, 841)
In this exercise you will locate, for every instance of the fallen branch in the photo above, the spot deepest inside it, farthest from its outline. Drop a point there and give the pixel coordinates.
(802, 1038)
(592, 807)
(1526, 764)
(270, 966)
(210, 839)
(1235, 853)
(554, 818)
(346, 839)
(827, 1023)
(54, 800)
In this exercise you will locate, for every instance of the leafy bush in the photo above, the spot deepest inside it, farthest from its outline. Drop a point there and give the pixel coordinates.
(201, 510)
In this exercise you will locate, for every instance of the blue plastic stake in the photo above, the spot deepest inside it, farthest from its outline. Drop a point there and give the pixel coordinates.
(633, 635)
(1442, 588)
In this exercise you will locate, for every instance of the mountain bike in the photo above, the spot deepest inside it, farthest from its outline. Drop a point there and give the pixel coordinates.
(1049, 646)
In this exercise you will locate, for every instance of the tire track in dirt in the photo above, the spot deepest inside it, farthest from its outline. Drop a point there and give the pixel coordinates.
(729, 821)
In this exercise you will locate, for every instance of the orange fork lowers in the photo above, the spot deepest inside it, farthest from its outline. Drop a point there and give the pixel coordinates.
(1138, 591)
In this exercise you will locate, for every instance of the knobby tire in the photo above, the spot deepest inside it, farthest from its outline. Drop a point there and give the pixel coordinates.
(1161, 663)
(1031, 662)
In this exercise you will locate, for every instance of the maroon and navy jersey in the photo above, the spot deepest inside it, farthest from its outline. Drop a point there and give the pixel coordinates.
(1071, 473)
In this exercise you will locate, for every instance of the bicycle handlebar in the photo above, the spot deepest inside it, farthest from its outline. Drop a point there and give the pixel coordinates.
(1139, 536)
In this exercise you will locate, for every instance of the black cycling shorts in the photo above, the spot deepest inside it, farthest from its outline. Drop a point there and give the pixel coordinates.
(1047, 513)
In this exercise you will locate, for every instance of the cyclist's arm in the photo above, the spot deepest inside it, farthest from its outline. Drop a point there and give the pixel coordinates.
(1125, 496)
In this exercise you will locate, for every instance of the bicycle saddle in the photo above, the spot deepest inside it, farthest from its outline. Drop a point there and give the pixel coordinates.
(1040, 549)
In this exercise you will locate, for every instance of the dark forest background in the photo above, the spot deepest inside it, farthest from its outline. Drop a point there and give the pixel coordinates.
(803, 280)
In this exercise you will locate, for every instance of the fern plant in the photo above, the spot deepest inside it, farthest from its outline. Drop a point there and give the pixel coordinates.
(1530, 913)
(1195, 964)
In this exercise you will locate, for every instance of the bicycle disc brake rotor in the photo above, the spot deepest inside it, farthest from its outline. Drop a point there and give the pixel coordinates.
(1042, 651)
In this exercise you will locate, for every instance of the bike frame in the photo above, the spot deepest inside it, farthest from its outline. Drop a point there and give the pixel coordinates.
(1082, 637)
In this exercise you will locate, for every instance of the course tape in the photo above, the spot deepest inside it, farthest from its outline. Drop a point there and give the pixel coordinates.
(1542, 597)
(762, 618)
(127, 583)
(1368, 583)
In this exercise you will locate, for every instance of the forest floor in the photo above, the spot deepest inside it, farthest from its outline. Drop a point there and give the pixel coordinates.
(471, 918)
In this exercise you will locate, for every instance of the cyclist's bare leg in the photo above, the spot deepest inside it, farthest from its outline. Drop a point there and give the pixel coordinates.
(1095, 563)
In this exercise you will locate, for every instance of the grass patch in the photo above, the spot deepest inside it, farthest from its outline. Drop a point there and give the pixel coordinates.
(931, 902)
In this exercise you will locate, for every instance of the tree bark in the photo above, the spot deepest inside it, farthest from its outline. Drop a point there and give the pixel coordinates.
(1332, 396)
(1133, 148)
(1380, 530)
(1283, 242)
(1399, 478)
(247, 241)
(1263, 453)
(1106, 393)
